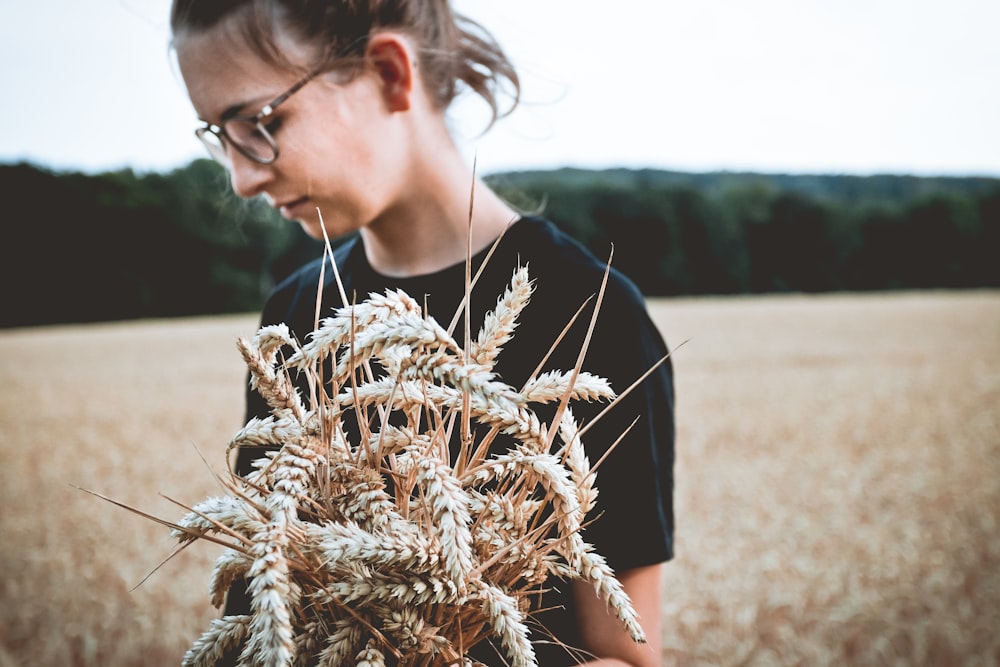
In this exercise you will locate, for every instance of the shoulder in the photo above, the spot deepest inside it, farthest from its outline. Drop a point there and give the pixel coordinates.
(294, 297)
(569, 282)
(309, 273)
(559, 263)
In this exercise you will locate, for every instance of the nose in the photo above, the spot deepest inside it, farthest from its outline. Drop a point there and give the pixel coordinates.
(249, 178)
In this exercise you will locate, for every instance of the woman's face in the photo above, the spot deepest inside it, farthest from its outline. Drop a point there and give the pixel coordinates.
(341, 151)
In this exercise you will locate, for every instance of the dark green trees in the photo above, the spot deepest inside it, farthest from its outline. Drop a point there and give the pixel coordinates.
(122, 245)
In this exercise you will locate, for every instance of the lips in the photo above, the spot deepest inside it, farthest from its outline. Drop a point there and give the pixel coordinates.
(290, 209)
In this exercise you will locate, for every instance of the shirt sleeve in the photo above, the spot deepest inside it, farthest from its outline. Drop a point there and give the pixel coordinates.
(632, 524)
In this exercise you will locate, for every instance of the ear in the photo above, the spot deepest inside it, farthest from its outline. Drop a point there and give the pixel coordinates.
(390, 55)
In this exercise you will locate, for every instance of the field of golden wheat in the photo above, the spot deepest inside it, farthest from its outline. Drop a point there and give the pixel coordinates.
(838, 482)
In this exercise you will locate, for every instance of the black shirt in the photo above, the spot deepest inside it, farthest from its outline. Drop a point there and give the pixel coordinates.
(632, 524)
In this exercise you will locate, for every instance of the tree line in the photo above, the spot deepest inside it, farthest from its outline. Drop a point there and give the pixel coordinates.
(124, 245)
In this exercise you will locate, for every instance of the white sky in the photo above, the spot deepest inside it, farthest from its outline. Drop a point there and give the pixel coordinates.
(818, 86)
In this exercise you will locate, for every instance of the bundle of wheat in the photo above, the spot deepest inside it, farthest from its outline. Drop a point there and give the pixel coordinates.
(386, 527)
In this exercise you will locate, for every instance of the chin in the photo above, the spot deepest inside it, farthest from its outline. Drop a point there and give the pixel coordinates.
(312, 228)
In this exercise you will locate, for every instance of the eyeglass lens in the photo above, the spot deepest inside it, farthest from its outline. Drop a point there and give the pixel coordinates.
(246, 136)
(213, 143)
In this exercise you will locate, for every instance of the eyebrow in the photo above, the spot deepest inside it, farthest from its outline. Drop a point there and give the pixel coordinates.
(235, 109)
(230, 112)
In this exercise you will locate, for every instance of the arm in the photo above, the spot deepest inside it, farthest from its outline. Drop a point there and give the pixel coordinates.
(602, 633)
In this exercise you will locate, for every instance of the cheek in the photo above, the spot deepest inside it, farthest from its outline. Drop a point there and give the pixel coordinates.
(347, 166)
(346, 153)
(329, 146)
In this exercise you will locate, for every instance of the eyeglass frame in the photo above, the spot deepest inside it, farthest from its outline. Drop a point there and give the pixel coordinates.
(217, 151)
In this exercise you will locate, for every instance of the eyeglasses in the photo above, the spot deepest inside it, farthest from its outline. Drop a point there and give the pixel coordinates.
(247, 134)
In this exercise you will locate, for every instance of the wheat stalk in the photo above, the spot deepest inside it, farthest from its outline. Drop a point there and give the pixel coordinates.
(418, 540)
(396, 544)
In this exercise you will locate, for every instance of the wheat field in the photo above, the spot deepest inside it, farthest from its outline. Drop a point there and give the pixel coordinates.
(838, 482)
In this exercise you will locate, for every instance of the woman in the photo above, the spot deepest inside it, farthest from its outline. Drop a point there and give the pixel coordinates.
(335, 112)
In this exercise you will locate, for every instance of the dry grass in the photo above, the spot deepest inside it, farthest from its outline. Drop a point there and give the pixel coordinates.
(838, 482)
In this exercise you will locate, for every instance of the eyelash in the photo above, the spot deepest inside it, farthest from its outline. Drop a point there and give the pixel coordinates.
(272, 124)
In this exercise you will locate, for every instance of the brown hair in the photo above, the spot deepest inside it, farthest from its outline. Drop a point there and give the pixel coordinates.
(453, 50)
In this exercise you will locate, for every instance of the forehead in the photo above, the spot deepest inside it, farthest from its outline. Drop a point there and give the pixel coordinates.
(221, 70)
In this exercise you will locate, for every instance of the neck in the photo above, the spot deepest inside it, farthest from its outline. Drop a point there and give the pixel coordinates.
(429, 228)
